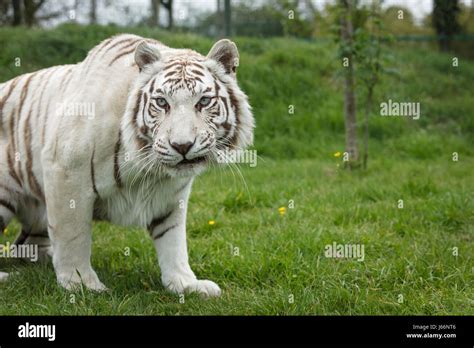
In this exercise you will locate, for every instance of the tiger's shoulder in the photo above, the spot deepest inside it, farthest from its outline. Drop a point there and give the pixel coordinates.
(116, 51)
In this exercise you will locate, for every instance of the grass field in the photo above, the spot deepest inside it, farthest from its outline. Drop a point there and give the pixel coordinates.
(418, 259)
(407, 251)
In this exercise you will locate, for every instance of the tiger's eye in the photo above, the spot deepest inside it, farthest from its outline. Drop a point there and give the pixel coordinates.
(204, 101)
(162, 102)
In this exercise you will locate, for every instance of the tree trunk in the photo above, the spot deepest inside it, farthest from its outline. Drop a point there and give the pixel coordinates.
(93, 12)
(155, 13)
(16, 12)
(219, 22)
(169, 6)
(445, 19)
(227, 17)
(29, 12)
(30, 8)
(349, 94)
(444, 44)
(170, 14)
(368, 111)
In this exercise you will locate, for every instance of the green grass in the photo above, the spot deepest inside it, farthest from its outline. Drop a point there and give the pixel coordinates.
(408, 251)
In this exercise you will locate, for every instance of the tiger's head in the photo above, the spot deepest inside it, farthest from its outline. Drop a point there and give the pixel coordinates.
(188, 107)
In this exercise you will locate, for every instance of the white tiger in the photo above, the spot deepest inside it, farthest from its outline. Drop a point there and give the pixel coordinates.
(120, 137)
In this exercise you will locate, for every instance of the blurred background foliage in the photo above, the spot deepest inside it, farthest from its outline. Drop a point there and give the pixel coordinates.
(261, 18)
(297, 64)
(278, 72)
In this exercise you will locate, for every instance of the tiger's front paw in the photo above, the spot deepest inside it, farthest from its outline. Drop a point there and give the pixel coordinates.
(72, 281)
(179, 284)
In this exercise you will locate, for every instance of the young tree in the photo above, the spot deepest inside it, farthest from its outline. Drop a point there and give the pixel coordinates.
(297, 17)
(17, 15)
(227, 17)
(445, 21)
(218, 21)
(155, 13)
(93, 12)
(31, 8)
(360, 36)
(350, 117)
(370, 66)
(168, 4)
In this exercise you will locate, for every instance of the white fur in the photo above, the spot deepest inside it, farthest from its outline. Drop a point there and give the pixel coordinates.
(62, 164)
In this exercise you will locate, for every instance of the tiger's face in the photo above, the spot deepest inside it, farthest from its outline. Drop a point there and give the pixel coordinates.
(189, 107)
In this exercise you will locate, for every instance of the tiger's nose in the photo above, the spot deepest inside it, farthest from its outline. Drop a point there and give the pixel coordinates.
(182, 148)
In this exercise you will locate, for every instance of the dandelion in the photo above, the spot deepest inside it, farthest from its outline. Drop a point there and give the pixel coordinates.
(282, 210)
(5, 231)
(337, 154)
(211, 222)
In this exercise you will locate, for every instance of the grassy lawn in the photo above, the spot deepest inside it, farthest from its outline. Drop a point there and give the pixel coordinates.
(410, 264)
(408, 251)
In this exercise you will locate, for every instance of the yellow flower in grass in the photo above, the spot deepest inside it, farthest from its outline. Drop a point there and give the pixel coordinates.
(211, 222)
(337, 154)
(282, 210)
(5, 231)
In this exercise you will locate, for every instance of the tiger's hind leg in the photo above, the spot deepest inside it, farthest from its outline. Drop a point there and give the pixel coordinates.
(8, 205)
(9, 197)
(9, 194)
(32, 215)
(39, 239)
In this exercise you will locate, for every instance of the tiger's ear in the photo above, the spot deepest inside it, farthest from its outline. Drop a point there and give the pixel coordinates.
(146, 54)
(225, 52)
